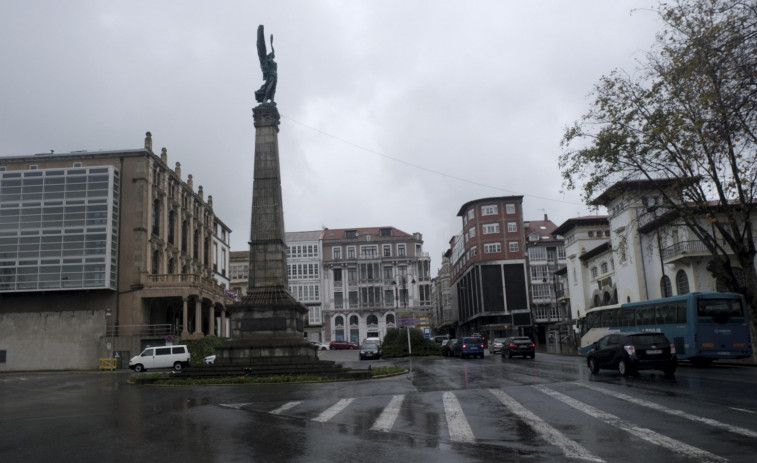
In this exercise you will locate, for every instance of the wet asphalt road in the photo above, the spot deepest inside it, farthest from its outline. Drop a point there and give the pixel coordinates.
(445, 410)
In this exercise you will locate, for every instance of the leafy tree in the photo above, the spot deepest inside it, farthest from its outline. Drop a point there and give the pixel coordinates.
(688, 118)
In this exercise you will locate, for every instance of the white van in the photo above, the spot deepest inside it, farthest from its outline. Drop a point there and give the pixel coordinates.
(176, 357)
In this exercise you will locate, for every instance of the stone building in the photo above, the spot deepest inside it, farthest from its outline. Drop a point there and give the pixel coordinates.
(370, 275)
(105, 251)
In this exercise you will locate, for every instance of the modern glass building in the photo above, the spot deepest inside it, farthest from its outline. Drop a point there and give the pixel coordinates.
(59, 229)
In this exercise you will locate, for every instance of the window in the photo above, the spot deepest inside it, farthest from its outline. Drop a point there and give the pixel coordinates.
(314, 315)
(388, 273)
(471, 214)
(338, 300)
(336, 253)
(491, 248)
(473, 251)
(510, 208)
(604, 268)
(594, 272)
(512, 227)
(390, 319)
(370, 252)
(682, 282)
(472, 232)
(537, 254)
(351, 252)
(513, 246)
(490, 228)
(385, 232)
(401, 250)
(489, 210)
(666, 288)
(350, 233)
(352, 275)
(387, 250)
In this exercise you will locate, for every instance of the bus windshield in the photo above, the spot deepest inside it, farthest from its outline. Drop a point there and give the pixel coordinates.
(720, 309)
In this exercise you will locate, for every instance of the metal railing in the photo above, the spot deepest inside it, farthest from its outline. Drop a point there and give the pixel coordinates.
(695, 248)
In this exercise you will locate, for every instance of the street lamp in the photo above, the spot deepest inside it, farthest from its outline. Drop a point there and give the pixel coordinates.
(400, 280)
(108, 314)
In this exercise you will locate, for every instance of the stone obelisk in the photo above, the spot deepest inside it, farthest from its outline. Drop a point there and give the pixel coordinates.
(268, 321)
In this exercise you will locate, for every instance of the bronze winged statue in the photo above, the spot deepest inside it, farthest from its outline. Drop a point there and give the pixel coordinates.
(265, 93)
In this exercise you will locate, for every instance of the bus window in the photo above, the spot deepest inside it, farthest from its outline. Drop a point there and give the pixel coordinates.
(627, 317)
(593, 320)
(721, 310)
(681, 309)
(666, 314)
(610, 318)
(645, 315)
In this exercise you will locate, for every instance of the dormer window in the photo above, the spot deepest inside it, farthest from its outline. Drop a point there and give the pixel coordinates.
(350, 233)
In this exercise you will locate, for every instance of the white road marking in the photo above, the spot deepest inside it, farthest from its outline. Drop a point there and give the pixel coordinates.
(285, 407)
(570, 448)
(333, 410)
(459, 429)
(643, 433)
(674, 412)
(388, 416)
(742, 410)
(235, 406)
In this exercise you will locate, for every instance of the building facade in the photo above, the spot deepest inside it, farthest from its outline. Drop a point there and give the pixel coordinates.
(105, 252)
(488, 268)
(372, 279)
(304, 270)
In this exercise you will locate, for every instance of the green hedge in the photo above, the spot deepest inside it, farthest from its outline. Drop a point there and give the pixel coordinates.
(201, 348)
(395, 344)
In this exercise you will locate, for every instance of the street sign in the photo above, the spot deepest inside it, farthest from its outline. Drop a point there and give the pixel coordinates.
(405, 319)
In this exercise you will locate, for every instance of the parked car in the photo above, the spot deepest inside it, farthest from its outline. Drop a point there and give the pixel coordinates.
(342, 344)
(470, 347)
(370, 350)
(176, 357)
(631, 352)
(318, 346)
(496, 346)
(448, 349)
(518, 345)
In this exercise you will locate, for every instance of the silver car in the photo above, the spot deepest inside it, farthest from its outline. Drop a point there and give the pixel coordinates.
(496, 346)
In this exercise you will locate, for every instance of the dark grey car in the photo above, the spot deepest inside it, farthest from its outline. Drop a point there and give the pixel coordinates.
(631, 352)
(369, 350)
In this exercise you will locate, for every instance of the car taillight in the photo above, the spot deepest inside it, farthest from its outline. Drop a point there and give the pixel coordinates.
(464, 346)
(672, 348)
(532, 345)
(482, 346)
(512, 345)
(630, 349)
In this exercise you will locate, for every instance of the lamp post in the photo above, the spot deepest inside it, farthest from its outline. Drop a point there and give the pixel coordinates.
(108, 314)
(400, 280)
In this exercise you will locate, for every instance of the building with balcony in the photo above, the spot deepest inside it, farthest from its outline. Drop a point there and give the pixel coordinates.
(545, 255)
(488, 268)
(370, 276)
(106, 251)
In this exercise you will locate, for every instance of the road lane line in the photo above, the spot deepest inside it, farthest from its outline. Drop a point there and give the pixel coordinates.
(570, 448)
(388, 416)
(333, 410)
(285, 407)
(457, 425)
(674, 412)
(644, 433)
(235, 406)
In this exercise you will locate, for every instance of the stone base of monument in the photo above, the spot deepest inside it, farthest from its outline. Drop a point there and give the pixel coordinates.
(267, 340)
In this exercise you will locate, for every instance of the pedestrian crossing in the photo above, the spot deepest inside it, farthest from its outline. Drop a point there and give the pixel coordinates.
(470, 417)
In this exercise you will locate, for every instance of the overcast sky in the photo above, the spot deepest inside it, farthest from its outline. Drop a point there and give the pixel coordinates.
(393, 113)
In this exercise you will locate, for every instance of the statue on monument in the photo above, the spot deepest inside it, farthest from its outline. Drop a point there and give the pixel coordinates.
(265, 93)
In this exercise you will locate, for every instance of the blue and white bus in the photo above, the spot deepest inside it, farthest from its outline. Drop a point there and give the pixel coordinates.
(702, 326)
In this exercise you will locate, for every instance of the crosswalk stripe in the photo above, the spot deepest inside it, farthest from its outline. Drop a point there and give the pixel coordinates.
(388, 416)
(570, 448)
(674, 412)
(644, 433)
(457, 425)
(285, 407)
(333, 410)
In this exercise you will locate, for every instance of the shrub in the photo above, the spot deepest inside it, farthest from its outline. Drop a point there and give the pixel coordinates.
(201, 348)
(395, 344)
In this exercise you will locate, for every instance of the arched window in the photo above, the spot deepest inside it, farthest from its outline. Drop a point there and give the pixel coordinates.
(390, 319)
(171, 225)
(171, 265)
(666, 288)
(596, 300)
(682, 282)
(155, 262)
(372, 320)
(339, 321)
(607, 299)
(354, 320)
